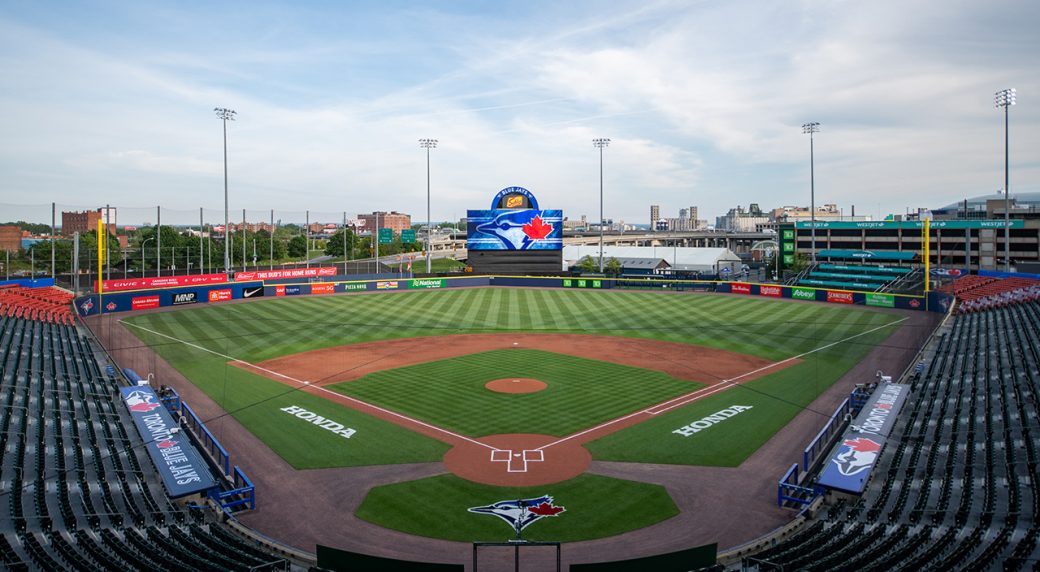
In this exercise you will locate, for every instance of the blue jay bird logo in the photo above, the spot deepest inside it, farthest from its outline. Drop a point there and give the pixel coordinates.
(521, 512)
(517, 229)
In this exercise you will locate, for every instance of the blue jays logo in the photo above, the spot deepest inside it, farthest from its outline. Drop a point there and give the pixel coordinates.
(87, 306)
(521, 512)
(518, 229)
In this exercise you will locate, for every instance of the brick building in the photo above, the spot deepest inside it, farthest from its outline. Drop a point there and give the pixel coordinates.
(82, 222)
(393, 219)
(10, 238)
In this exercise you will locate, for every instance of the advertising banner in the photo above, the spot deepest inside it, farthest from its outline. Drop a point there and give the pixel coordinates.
(181, 467)
(220, 295)
(426, 283)
(803, 293)
(288, 273)
(181, 298)
(839, 297)
(323, 288)
(773, 291)
(253, 292)
(162, 282)
(145, 302)
(849, 467)
(881, 300)
(740, 288)
(293, 290)
(279, 290)
(390, 285)
(355, 287)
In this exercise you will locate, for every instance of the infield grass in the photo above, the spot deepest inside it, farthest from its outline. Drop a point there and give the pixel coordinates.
(595, 507)
(581, 392)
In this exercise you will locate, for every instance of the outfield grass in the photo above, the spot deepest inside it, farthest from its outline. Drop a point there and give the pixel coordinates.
(774, 330)
(581, 392)
(595, 507)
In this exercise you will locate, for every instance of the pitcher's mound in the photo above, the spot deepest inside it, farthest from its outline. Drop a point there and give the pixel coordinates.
(516, 385)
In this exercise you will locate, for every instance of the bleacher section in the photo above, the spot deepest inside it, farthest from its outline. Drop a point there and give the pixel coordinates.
(77, 489)
(848, 276)
(48, 304)
(978, 293)
(958, 486)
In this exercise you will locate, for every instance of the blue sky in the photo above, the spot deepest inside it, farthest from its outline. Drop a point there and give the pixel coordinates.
(111, 103)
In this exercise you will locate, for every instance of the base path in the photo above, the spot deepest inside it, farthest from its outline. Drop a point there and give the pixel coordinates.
(517, 459)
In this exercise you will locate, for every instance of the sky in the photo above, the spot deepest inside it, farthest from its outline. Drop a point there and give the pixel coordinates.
(112, 103)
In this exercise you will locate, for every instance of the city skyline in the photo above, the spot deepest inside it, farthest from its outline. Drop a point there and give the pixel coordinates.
(112, 104)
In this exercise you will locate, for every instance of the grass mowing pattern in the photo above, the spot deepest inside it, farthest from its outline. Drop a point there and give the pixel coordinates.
(436, 507)
(775, 330)
(450, 393)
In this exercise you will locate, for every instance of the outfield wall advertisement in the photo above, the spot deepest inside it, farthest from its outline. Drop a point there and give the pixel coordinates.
(95, 304)
(161, 282)
(324, 271)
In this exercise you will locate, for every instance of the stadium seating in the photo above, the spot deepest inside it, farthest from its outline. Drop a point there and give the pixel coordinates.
(866, 277)
(959, 485)
(977, 293)
(77, 490)
(48, 304)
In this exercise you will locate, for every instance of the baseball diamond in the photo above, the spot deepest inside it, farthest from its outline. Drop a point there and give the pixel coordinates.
(349, 404)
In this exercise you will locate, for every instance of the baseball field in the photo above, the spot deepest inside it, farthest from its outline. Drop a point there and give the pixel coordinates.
(514, 391)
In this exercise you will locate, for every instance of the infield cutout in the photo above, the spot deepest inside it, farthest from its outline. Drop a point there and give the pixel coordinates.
(516, 385)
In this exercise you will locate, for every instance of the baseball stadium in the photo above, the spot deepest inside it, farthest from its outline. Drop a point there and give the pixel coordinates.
(311, 419)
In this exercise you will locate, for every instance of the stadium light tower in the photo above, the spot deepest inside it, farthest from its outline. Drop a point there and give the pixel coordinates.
(1006, 98)
(226, 115)
(600, 143)
(427, 144)
(811, 128)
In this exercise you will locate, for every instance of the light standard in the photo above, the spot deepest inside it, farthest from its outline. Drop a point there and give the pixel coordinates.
(142, 253)
(428, 144)
(600, 143)
(226, 115)
(1006, 98)
(811, 128)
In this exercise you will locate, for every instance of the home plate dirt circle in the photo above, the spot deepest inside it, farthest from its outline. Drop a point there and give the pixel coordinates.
(516, 385)
(516, 460)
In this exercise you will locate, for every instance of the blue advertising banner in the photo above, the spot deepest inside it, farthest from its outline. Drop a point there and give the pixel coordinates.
(514, 229)
(182, 469)
(848, 470)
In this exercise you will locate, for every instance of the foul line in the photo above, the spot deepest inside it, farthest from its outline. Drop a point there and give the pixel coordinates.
(721, 386)
(319, 388)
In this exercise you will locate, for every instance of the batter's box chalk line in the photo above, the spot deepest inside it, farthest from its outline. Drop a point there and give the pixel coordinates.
(517, 462)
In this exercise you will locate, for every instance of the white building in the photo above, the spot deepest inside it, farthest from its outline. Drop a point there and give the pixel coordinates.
(705, 260)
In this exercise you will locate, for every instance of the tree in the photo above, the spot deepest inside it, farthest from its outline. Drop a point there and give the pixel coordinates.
(334, 246)
(297, 246)
(613, 267)
(588, 265)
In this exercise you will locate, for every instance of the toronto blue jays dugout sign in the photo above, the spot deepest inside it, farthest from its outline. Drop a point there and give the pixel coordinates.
(514, 222)
(183, 471)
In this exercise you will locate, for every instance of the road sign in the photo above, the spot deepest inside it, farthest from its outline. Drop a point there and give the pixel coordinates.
(408, 235)
(386, 235)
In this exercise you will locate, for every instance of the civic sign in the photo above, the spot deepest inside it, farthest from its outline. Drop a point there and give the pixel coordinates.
(182, 469)
(162, 282)
(287, 273)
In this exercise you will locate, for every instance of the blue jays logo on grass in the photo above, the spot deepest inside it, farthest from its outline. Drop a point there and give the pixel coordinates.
(521, 512)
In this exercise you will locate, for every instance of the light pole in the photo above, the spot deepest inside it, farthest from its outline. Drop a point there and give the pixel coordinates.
(1006, 98)
(811, 128)
(142, 253)
(428, 144)
(226, 115)
(600, 143)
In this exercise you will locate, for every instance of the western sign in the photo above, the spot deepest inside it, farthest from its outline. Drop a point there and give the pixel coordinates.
(181, 467)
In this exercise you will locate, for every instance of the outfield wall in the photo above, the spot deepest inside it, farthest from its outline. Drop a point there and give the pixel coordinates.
(94, 304)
